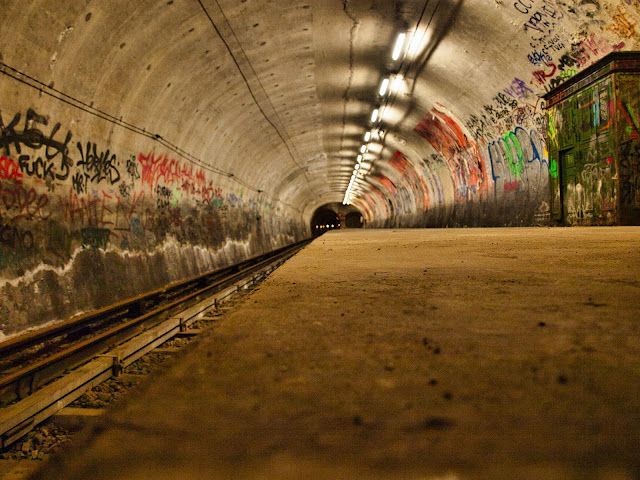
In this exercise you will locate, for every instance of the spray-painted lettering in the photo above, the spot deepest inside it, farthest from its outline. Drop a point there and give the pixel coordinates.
(55, 164)
(97, 165)
(9, 170)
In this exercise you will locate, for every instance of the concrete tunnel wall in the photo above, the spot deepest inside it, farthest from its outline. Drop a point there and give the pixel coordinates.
(145, 142)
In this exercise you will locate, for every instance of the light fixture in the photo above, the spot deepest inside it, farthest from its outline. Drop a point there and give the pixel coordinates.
(367, 136)
(398, 48)
(357, 167)
(374, 115)
(359, 158)
(363, 148)
(384, 87)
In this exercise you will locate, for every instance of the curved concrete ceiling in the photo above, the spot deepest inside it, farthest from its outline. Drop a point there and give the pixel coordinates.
(279, 94)
(263, 105)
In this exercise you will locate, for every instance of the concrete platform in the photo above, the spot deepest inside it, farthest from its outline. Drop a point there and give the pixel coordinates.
(421, 354)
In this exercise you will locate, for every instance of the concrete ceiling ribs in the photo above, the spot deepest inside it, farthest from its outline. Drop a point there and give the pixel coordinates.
(196, 125)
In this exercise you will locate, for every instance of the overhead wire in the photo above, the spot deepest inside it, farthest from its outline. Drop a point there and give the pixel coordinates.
(63, 97)
(389, 101)
(246, 81)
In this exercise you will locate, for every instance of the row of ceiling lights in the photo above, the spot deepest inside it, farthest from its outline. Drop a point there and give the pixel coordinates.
(390, 84)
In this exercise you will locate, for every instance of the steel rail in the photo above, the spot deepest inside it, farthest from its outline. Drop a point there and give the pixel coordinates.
(25, 381)
(42, 335)
(18, 419)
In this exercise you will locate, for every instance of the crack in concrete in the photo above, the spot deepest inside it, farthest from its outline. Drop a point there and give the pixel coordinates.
(352, 35)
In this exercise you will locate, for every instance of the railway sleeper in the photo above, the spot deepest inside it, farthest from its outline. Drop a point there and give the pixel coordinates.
(19, 418)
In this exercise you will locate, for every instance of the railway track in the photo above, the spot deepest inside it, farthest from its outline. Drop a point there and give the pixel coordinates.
(45, 370)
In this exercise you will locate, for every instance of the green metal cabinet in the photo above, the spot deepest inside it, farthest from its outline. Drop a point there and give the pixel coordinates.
(594, 144)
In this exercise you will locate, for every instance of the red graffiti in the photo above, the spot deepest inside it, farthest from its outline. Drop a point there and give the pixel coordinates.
(25, 202)
(540, 76)
(188, 178)
(88, 210)
(377, 192)
(386, 183)
(511, 186)
(132, 208)
(367, 203)
(447, 136)
(405, 168)
(592, 44)
(627, 116)
(9, 170)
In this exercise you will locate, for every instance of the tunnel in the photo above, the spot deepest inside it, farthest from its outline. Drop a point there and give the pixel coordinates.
(146, 143)
(323, 220)
(199, 133)
(354, 220)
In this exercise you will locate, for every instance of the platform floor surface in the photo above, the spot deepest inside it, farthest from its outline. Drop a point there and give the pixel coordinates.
(413, 354)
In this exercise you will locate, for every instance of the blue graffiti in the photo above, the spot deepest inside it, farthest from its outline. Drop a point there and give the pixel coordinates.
(518, 160)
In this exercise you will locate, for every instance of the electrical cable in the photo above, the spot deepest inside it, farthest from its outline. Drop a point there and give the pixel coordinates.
(246, 81)
(36, 84)
(389, 101)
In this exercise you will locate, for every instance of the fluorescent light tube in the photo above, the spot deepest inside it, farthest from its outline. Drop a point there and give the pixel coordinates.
(384, 87)
(398, 48)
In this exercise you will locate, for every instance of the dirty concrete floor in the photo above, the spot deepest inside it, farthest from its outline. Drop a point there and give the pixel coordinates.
(448, 354)
(17, 469)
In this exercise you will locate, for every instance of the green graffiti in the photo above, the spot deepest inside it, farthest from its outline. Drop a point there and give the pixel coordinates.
(552, 126)
(553, 169)
(515, 164)
(632, 113)
(176, 196)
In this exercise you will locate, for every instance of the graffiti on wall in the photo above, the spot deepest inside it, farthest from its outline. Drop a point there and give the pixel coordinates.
(94, 166)
(393, 196)
(58, 194)
(622, 25)
(412, 179)
(519, 161)
(430, 168)
(9, 170)
(380, 201)
(367, 204)
(451, 139)
(629, 165)
(188, 178)
(554, 57)
(40, 154)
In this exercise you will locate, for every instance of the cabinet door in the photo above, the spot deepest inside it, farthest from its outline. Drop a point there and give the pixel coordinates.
(567, 129)
(628, 131)
(586, 108)
(568, 185)
(603, 106)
